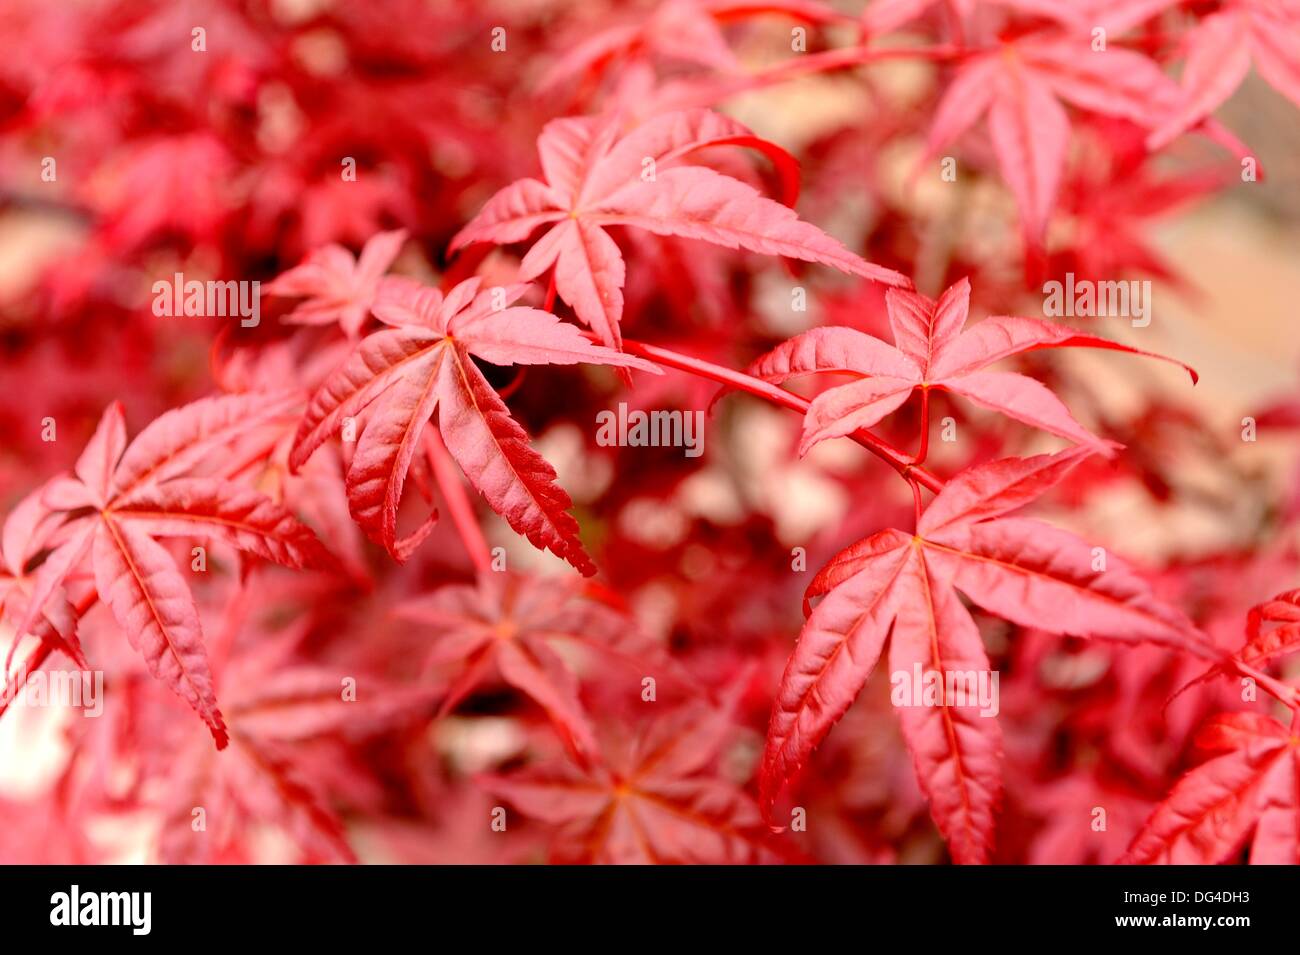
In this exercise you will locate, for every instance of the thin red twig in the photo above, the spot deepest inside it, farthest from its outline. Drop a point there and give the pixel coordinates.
(1286, 695)
(896, 459)
(925, 426)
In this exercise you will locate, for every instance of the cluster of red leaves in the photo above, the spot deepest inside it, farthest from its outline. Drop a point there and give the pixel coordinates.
(446, 199)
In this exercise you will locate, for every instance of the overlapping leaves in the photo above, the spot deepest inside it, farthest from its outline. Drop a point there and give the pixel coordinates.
(902, 589)
(1250, 786)
(650, 800)
(1020, 85)
(423, 364)
(1249, 790)
(337, 288)
(522, 628)
(930, 351)
(598, 175)
(123, 497)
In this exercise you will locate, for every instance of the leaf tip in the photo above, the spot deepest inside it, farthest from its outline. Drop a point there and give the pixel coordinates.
(217, 727)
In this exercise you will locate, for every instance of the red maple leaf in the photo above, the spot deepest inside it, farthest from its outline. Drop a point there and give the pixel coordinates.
(651, 800)
(1264, 646)
(1019, 86)
(340, 288)
(124, 496)
(1113, 197)
(423, 364)
(515, 625)
(931, 351)
(902, 588)
(598, 175)
(1253, 784)
(1220, 50)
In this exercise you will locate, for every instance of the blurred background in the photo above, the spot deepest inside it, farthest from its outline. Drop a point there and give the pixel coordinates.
(127, 155)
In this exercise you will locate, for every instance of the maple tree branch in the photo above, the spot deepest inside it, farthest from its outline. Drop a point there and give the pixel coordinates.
(457, 501)
(900, 462)
(815, 63)
(925, 426)
(1286, 695)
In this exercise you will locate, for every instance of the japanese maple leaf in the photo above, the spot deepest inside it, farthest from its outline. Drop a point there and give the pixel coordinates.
(515, 625)
(1112, 201)
(651, 800)
(1251, 784)
(903, 588)
(423, 363)
(1220, 50)
(1019, 86)
(124, 496)
(1264, 645)
(931, 351)
(337, 287)
(599, 176)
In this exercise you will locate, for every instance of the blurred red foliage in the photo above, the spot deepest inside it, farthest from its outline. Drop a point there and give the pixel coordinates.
(389, 665)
